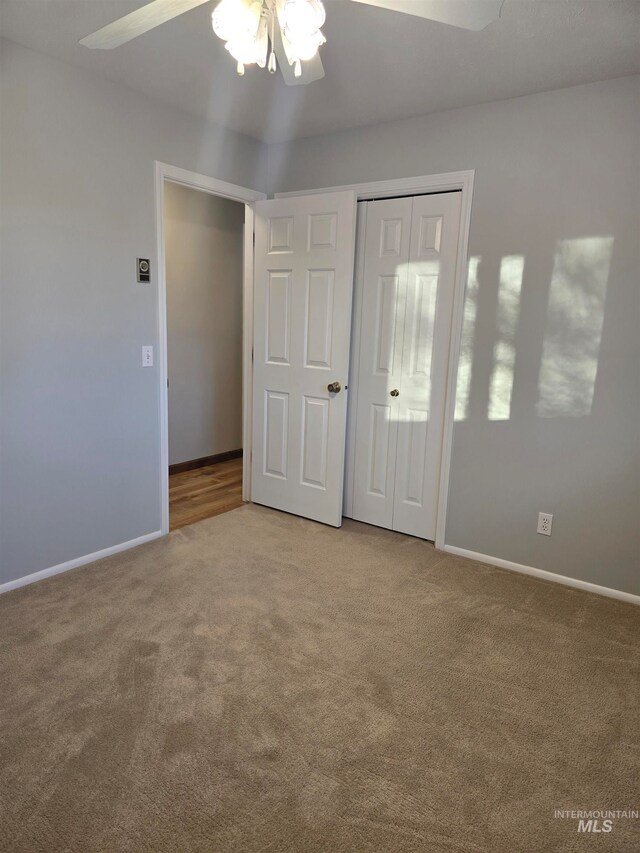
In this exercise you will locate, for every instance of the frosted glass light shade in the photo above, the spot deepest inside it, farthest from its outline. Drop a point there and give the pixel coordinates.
(303, 17)
(233, 20)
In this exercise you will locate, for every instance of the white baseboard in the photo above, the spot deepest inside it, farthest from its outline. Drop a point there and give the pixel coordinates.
(79, 561)
(540, 573)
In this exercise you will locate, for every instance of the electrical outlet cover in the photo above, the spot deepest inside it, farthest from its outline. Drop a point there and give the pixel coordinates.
(545, 521)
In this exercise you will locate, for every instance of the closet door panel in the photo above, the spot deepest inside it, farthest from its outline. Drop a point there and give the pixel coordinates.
(426, 333)
(383, 287)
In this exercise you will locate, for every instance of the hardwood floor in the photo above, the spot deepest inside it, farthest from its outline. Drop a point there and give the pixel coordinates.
(204, 492)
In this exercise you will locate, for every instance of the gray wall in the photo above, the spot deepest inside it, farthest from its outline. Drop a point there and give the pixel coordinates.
(79, 426)
(549, 420)
(204, 245)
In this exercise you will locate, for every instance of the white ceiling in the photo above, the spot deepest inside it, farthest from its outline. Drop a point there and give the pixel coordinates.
(379, 65)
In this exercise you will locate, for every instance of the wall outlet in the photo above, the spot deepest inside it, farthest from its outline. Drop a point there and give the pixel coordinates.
(545, 520)
(147, 356)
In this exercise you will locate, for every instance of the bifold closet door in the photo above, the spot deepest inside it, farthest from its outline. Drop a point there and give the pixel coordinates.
(303, 275)
(385, 274)
(405, 288)
(435, 225)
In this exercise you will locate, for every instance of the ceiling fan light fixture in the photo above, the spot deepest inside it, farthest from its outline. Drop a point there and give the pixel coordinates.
(247, 27)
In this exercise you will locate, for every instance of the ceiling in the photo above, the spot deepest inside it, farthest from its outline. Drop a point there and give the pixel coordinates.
(379, 65)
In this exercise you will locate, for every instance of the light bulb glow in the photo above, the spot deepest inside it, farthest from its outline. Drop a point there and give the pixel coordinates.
(303, 17)
(222, 19)
(243, 51)
(235, 19)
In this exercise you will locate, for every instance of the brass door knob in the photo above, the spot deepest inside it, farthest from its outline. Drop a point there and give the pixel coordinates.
(334, 387)
(395, 393)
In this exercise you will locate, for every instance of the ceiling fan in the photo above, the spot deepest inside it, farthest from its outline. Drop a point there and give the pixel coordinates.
(258, 31)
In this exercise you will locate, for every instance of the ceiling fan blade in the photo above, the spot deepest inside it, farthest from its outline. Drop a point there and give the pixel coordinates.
(468, 14)
(138, 22)
(312, 69)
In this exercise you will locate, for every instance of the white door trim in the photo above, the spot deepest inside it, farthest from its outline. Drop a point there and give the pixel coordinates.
(185, 177)
(424, 184)
(420, 185)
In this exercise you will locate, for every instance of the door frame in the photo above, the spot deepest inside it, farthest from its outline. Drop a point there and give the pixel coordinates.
(424, 185)
(204, 183)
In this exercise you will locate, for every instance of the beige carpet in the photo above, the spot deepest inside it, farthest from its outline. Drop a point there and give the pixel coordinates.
(258, 682)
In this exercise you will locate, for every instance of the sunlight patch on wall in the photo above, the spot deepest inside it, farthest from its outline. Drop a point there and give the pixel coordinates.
(463, 389)
(574, 326)
(504, 351)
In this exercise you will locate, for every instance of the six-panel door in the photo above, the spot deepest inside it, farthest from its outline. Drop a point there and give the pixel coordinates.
(386, 253)
(304, 256)
(406, 292)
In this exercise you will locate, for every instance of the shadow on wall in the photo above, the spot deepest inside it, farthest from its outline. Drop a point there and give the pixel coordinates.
(571, 338)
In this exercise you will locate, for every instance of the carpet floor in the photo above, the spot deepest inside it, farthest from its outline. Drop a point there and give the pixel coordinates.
(258, 682)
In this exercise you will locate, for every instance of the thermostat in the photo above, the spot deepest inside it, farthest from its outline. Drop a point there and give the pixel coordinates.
(144, 269)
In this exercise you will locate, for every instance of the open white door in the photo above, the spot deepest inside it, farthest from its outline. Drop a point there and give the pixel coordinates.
(304, 256)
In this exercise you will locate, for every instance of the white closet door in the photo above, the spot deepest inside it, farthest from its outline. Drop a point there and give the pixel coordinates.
(427, 329)
(304, 257)
(383, 295)
(405, 289)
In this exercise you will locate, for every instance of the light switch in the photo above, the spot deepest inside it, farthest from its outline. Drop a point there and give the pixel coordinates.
(147, 356)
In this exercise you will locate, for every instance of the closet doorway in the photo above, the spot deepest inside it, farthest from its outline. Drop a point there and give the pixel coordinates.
(403, 308)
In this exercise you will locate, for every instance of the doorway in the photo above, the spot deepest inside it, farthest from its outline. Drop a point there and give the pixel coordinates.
(203, 268)
(205, 276)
